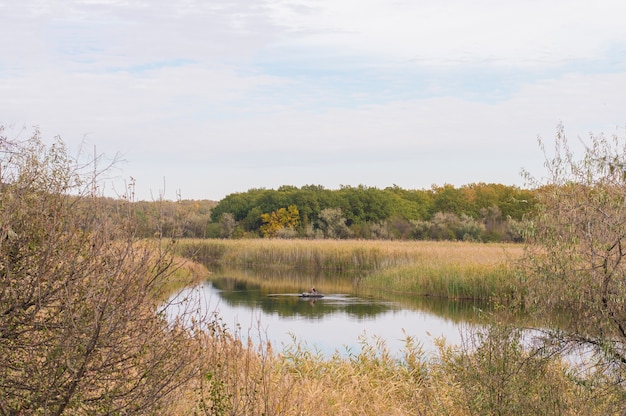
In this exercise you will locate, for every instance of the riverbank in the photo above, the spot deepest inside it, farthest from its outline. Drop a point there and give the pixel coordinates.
(491, 374)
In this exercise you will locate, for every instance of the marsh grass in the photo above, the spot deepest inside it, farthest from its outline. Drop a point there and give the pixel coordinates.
(184, 273)
(455, 270)
(452, 281)
(495, 376)
(336, 255)
(289, 280)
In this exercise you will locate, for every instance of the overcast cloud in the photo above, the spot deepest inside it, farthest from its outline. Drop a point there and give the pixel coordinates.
(215, 97)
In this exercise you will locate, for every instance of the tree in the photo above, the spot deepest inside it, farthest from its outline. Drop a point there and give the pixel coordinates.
(279, 220)
(83, 327)
(367, 208)
(577, 246)
(448, 199)
(333, 224)
(227, 225)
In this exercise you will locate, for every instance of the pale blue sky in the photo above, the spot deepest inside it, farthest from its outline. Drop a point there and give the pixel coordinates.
(205, 98)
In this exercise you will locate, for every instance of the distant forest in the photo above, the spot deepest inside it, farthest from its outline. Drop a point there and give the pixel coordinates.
(475, 212)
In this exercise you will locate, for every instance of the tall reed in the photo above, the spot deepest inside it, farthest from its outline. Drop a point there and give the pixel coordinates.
(443, 269)
(496, 377)
(339, 255)
(452, 281)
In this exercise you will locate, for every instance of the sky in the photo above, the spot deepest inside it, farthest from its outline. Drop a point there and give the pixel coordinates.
(201, 98)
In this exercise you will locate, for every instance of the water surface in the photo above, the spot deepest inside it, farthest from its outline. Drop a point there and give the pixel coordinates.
(339, 321)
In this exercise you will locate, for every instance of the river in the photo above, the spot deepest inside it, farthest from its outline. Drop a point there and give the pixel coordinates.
(338, 322)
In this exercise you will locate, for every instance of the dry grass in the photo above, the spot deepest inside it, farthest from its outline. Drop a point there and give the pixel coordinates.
(345, 254)
(338, 255)
(452, 270)
(242, 379)
(442, 269)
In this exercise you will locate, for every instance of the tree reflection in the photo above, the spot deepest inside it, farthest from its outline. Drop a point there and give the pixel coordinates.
(237, 292)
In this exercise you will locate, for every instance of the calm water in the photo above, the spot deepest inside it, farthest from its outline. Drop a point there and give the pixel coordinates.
(337, 322)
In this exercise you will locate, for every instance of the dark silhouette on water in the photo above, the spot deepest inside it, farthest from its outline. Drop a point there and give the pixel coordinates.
(313, 293)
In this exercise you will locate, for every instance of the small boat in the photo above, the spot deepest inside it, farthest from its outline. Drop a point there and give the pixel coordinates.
(311, 295)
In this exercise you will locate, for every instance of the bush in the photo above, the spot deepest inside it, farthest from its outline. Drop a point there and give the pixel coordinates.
(82, 325)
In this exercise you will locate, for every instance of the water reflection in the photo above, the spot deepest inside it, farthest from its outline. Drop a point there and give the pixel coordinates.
(241, 293)
(336, 323)
(284, 281)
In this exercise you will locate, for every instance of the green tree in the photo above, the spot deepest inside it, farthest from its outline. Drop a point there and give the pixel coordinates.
(238, 204)
(252, 221)
(448, 199)
(408, 204)
(369, 211)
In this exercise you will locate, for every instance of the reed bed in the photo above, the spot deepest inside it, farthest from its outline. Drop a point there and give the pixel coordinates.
(289, 280)
(498, 378)
(337, 255)
(481, 282)
(453, 271)
(443, 269)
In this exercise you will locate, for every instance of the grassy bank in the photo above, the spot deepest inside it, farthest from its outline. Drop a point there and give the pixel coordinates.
(497, 377)
(184, 272)
(452, 270)
(441, 269)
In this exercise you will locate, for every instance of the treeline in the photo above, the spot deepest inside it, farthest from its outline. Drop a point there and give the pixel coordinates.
(163, 218)
(475, 212)
(184, 218)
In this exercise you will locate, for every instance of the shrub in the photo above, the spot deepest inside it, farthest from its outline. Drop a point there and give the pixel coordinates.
(82, 328)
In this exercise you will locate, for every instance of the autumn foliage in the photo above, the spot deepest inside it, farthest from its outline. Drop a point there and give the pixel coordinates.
(281, 220)
(83, 327)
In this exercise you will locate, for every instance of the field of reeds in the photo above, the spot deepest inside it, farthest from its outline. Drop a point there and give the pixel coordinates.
(441, 269)
(453, 270)
(496, 377)
(492, 372)
(338, 255)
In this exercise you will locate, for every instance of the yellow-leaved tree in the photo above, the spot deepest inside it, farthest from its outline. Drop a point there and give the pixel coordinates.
(279, 221)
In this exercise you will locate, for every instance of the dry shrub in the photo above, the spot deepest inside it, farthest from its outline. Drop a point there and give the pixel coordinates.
(496, 371)
(82, 328)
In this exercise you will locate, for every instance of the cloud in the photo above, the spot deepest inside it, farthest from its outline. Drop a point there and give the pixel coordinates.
(222, 96)
(529, 33)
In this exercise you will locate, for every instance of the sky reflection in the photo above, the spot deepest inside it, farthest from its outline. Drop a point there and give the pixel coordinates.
(336, 329)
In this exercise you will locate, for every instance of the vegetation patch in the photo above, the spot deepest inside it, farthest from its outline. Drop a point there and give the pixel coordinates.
(456, 270)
